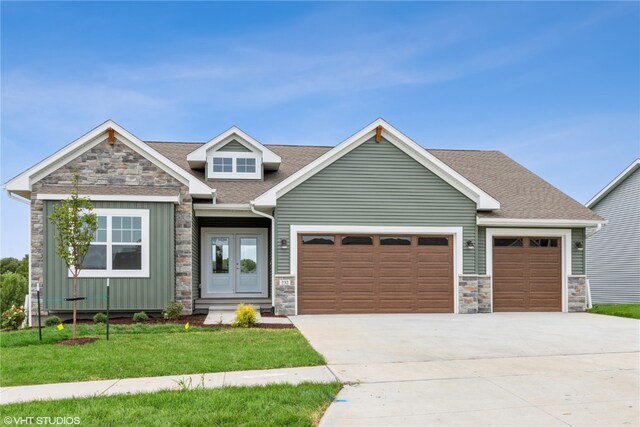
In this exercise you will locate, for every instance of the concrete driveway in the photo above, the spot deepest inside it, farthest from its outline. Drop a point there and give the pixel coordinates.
(508, 369)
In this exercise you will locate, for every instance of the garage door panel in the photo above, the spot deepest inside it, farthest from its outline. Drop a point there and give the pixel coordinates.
(527, 278)
(375, 278)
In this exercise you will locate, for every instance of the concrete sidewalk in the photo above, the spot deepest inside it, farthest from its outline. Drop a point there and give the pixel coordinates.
(27, 393)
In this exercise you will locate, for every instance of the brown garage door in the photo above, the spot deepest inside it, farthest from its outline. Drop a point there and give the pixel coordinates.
(527, 274)
(339, 273)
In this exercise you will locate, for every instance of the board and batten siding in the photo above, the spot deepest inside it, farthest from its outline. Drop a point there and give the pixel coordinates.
(577, 256)
(150, 293)
(234, 146)
(375, 184)
(613, 255)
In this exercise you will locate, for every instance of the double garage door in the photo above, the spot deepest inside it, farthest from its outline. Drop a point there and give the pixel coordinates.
(375, 274)
(347, 273)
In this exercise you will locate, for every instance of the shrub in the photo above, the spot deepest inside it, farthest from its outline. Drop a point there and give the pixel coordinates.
(100, 318)
(140, 317)
(173, 310)
(13, 318)
(13, 288)
(52, 321)
(245, 316)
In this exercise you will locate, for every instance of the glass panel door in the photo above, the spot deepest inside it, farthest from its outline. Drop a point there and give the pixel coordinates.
(248, 267)
(222, 265)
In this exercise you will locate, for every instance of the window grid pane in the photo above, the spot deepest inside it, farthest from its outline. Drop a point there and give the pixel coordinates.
(222, 164)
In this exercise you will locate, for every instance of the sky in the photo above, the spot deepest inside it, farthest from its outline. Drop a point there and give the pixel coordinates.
(555, 86)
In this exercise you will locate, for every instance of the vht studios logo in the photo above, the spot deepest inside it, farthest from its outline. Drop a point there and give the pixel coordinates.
(42, 421)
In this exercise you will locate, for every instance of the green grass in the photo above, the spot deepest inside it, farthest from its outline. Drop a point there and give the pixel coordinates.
(620, 310)
(273, 405)
(147, 350)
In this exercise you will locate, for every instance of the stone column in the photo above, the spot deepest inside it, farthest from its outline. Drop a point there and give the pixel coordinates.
(468, 294)
(577, 293)
(484, 294)
(184, 253)
(285, 295)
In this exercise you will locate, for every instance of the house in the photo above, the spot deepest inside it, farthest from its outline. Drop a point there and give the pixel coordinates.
(613, 259)
(376, 223)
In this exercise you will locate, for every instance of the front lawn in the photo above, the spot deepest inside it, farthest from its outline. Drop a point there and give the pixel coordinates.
(273, 405)
(147, 350)
(620, 310)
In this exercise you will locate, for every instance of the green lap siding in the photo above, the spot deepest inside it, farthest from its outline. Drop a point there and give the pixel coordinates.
(234, 146)
(376, 185)
(150, 293)
(577, 257)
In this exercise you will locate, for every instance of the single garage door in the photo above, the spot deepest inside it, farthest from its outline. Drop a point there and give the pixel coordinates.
(527, 274)
(339, 273)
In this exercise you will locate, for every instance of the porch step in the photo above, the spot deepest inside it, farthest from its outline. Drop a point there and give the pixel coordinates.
(209, 304)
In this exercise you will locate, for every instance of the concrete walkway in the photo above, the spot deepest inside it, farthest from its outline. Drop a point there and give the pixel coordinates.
(317, 374)
(506, 369)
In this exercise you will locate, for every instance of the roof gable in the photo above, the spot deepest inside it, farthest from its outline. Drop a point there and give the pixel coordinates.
(613, 184)
(23, 183)
(383, 129)
(198, 157)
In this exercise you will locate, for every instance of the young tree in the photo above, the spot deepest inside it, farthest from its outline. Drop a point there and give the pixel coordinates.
(75, 224)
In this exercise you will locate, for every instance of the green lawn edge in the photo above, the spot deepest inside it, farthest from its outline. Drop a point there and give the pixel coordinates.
(271, 405)
(135, 351)
(620, 310)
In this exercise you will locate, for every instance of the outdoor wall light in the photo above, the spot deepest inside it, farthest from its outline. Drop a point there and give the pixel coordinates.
(284, 244)
(578, 245)
(470, 245)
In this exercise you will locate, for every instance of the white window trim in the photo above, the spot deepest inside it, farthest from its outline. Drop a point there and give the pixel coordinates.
(234, 174)
(338, 229)
(145, 248)
(564, 234)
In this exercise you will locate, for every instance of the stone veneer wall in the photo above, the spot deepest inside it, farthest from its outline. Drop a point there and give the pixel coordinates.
(468, 294)
(117, 165)
(285, 295)
(484, 294)
(577, 293)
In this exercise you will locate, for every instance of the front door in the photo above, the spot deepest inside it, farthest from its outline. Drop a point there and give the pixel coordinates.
(234, 264)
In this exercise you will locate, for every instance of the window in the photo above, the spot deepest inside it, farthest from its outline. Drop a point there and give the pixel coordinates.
(318, 240)
(517, 241)
(120, 246)
(433, 241)
(543, 243)
(222, 164)
(395, 241)
(245, 165)
(357, 240)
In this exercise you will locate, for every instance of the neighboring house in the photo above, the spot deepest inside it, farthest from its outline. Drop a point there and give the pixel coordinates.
(375, 224)
(613, 260)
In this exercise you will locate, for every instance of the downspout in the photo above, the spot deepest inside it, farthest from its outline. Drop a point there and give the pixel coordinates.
(592, 233)
(28, 203)
(273, 249)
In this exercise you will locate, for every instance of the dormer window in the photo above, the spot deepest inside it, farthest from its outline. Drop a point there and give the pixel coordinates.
(245, 165)
(234, 155)
(223, 164)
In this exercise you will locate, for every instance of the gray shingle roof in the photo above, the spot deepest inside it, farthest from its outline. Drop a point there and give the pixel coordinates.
(521, 193)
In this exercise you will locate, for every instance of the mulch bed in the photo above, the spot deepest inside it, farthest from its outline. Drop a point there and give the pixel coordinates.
(77, 341)
(194, 320)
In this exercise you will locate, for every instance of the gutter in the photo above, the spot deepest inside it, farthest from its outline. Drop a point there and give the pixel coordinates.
(252, 205)
(588, 287)
(28, 203)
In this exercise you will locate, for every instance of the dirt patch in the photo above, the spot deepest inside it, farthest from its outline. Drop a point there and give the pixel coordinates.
(77, 341)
